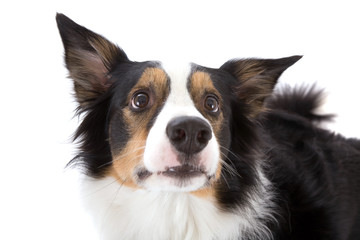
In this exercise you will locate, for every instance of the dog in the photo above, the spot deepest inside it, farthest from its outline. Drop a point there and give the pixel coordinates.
(183, 151)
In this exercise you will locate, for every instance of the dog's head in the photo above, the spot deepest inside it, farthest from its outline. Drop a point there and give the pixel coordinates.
(161, 126)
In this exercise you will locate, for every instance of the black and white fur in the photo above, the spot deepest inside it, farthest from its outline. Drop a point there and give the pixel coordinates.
(181, 151)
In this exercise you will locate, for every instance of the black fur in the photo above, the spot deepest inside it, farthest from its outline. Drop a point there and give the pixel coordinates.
(315, 172)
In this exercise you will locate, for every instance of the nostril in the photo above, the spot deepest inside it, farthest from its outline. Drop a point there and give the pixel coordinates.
(204, 136)
(175, 133)
(179, 135)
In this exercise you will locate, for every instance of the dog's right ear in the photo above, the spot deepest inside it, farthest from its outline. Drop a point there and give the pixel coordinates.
(257, 78)
(89, 58)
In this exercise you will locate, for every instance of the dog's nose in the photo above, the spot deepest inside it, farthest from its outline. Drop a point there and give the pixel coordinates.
(188, 135)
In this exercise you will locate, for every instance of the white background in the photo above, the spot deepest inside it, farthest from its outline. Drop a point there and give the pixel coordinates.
(38, 198)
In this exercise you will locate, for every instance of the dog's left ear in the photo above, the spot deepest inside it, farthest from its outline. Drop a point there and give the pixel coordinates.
(257, 78)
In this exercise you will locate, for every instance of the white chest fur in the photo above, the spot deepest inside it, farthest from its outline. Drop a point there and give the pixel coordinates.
(123, 213)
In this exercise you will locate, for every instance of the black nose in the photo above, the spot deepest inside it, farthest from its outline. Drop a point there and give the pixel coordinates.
(188, 135)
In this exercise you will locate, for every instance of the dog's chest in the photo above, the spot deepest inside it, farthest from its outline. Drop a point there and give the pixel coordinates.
(124, 213)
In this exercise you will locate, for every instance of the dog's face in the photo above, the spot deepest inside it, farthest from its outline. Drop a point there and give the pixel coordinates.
(161, 126)
(173, 119)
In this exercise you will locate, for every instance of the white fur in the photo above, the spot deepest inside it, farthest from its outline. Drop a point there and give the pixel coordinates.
(125, 213)
(159, 153)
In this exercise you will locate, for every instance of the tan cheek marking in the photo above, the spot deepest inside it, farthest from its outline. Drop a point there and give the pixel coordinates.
(128, 159)
(204, 193)
(125, 162)
(218, 170)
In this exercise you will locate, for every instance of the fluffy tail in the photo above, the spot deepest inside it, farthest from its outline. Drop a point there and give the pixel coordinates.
(300, 100)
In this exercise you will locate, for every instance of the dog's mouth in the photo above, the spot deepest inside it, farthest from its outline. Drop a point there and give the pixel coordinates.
(184, 171)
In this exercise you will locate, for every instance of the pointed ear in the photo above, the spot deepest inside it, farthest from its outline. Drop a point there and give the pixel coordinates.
(89, 58)
(257, 78)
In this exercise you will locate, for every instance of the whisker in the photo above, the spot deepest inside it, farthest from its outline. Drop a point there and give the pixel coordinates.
(228, 150)
(105, 186)
(124, 155)
(235, 155)
(232, 171)
(135, 150)
(129, 141)
(118, 159)
(226, 182)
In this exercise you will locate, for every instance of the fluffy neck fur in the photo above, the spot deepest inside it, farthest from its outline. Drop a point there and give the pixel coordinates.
(124, 213)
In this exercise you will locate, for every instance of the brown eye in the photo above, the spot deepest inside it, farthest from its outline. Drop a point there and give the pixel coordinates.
(140, 100)
(211, 104)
